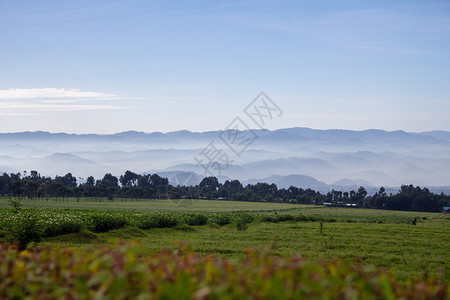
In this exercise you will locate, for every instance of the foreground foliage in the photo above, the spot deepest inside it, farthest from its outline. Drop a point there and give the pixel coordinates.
(117, 273)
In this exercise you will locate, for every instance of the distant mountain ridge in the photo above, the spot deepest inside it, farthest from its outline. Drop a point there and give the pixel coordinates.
(331, 157)
(288, 133)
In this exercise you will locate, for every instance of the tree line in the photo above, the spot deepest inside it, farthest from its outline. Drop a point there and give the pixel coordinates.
(131, 185)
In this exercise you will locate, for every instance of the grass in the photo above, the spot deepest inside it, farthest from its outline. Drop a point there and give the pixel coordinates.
(374, 237)
(404, 250)
(185, 205)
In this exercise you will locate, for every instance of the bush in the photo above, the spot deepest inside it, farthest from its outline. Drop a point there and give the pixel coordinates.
(147, 223)
(284, 218)
(62, 228)
(222, 220)
(241, 226)
(269, 219)
(197, 220)
(26, 229)
(287, 217)
(157, 221)
(15, 204)
(103, 223)
(165, 221)
(303, 218)
(279, 218)
(243, 221)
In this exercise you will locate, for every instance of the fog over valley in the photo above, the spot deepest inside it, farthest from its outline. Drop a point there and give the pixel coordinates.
(303, 157)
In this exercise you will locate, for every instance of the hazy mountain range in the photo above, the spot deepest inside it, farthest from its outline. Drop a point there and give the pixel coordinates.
(303, 157)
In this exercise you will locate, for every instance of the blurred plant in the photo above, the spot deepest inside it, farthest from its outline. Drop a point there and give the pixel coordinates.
(116, 272)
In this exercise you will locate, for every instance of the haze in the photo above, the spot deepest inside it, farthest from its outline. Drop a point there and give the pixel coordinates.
(107, 67)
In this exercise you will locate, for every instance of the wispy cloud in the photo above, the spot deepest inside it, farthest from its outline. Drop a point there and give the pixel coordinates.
(64, 101)
(38, 101)
(11, 106)
(26, 102)
(50, 93)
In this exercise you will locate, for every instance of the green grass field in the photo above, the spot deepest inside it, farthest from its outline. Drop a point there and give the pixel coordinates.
(375, 237)
(402, 249)
(184, 205)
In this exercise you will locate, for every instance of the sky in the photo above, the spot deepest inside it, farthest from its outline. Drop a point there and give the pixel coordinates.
(113, 66)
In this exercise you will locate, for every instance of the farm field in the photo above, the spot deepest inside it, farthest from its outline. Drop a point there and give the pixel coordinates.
(374, 237)
(183, 205)
(218, 206)
(220, 249)
(404, 251)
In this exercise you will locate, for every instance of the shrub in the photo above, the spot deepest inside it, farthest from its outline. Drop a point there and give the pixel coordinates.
(147, 223)
(15, 204)
(279, 218)
(103, 223)
(222, 220)
(269, 219)
(284, 218)
(26, 229)
(303, 218)
(243, 221)
(62, 228)
(197, 220)
(166, 221)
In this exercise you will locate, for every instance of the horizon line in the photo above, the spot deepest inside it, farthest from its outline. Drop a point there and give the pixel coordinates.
(210, 131)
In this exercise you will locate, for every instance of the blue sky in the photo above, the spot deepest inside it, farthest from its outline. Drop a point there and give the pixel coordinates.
(111, 66)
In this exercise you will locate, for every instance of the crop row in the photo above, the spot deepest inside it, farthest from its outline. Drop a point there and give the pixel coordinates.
(54, 222)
